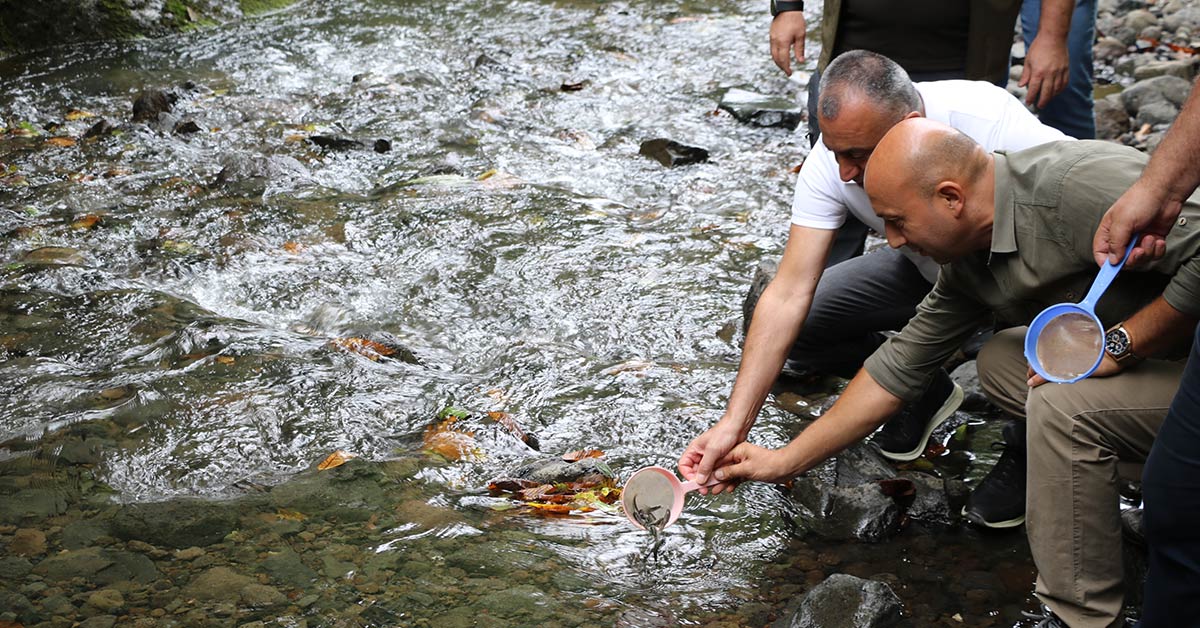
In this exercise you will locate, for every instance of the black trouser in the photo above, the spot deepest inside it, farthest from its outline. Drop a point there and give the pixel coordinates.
(1171, 491)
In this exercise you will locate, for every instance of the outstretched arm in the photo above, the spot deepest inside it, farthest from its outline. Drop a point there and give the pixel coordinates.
(1152, 204)
(787, 35)
(1047, 63)
(777, 320)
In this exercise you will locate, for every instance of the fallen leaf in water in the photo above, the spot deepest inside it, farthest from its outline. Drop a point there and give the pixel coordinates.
(510, 485)
(444, 440)
(84, 223)
(366, 348)
(505, 419)
(116, 172)
(64, 142)
(580, 454)
(573, 87)
(335, 459)
(634, 365)
(284, 514)
(292, 247)
(226, 359)
(552, 509)
(79, 114)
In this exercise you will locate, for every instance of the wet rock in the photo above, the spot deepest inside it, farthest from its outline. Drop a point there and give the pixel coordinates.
(106, 600)
(1156, 113)
(351, 492)
(1171, 89)
(99, 621)
(54, 255)
(189, 553)
(148, 104)
(966, 375)
(285, 567)
(13, 568)
(13, 602)
(382, 146)
(861, 512)
(555, 470)
(861, 463)
(761, 110)
(28, 542)
(329, 142)
(31, 504)
(175, 524)
(764, 272)
(78, 451)
(238, 167)
(261, 596)
(931, 503)
(83, 563)
(101, 128)
(844, 601)
(218, 583)
(186, 127)
(671, 153)
(83, 533)
(1112, 121)
(524, 602)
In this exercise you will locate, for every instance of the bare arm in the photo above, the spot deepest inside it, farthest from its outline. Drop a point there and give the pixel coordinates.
(1047, 63)
(863, 407)
(777, 320)
(1152, 204)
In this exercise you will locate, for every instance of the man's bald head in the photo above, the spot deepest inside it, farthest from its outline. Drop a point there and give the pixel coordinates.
(932, 185)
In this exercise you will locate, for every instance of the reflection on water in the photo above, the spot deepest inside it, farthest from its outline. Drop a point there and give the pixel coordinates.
(194, 316)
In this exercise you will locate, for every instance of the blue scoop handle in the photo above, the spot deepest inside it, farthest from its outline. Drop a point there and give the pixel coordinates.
(1105, 277)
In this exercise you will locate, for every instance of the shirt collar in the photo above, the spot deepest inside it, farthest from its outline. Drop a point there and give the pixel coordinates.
(1004, 227)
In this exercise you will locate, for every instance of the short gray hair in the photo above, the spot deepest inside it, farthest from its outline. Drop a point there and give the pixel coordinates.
(872, 76)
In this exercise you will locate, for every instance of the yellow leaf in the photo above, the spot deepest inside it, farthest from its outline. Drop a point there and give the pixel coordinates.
(79, 114)
(226, 359)
(442, 439)
(335, 459)
(575, 456)
(64, 142)
(284, 514)
(85, 222)
(362, 346)
(292, 247)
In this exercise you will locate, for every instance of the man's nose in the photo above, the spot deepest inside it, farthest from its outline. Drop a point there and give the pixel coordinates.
(893, 236)
(847, 170)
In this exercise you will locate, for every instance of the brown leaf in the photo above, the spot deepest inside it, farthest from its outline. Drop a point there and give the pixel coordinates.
(84, 223)
(226, 359)
(64, 142)
(283, 514)
(573, 87)
(536, 493)
(576, 456)
(335, 459)
(505, 419)
(510, 485)
(552, 509)
(443, 440)
(79, 114)
(367, 348)
(292, 247)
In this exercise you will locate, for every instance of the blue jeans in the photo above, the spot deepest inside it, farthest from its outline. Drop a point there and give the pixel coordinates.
(1171, 491)
(1072, 110)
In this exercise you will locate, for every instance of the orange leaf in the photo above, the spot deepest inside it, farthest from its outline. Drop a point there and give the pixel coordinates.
(292, 247)
(364, 347)
(536, 493)
(85, 222)
(335, 459)
(443, 440)
(552, 509)
(225, 359)
(64, 142)
(575, 456)
(79, 114)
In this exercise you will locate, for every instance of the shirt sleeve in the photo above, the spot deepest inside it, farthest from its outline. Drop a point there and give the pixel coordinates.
(1019, 129)
(907, 362)
(817, 203)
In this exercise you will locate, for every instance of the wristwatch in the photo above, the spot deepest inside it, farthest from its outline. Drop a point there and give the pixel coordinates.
(783, 6)
(1119, 345)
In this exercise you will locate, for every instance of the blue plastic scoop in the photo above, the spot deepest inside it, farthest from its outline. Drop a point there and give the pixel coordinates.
(1065, 343)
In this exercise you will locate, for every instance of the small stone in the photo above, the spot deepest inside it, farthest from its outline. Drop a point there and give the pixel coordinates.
(103, 127)
(187, 127)
(259, 595)
(1156, 113)
(1108, 49)
(148, 104)
(334, 143)
(382, 146)
(190, 553)
(28, 542)
(106, 600)
(671, 153)
(99, 621)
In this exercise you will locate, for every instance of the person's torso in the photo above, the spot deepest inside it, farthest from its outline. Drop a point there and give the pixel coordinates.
(923, 36)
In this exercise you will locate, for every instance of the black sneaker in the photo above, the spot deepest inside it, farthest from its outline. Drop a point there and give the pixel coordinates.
(999, 500)
(905, 435)
(1047, 619)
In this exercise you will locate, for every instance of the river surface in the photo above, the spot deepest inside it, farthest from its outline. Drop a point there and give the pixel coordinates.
(512, 239)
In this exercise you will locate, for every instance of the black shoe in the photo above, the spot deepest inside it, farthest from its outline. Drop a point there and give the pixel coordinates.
(999, 500)
(1047, 619)
(905, 435)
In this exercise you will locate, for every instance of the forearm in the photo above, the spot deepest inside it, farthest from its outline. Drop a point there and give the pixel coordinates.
(1173, 168)
(862, 408)
(1158, 328)
(772, 332)
(1054, 21)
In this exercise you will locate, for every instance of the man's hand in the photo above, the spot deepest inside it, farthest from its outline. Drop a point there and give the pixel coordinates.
(1108, 367)
(751, 462)
(787, 34)
(1047, 70)
(1141, 209)
(703, 454)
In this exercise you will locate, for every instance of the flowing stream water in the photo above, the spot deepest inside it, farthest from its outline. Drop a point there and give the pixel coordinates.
(512, 239)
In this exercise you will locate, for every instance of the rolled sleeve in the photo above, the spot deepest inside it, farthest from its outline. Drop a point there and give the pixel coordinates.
(906, 363)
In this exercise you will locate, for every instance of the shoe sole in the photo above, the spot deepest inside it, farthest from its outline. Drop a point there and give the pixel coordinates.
(948, 408)
(996, 525)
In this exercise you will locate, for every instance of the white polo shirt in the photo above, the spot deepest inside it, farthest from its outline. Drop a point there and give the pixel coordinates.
(987, 113)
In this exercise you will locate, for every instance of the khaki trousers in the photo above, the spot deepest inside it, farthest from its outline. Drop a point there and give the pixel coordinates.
(1076, 436)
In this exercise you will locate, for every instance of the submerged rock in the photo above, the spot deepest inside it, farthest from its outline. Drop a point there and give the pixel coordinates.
(329, 142)
(761, 109)
(844, 601)
(555, 470)
(671, 153)
(148, 104)
(861, 512)
(175, 524)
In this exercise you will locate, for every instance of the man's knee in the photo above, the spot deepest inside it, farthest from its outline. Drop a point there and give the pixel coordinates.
(1001, 367)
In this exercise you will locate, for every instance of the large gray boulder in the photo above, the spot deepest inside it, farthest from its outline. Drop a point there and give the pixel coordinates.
(844, 601)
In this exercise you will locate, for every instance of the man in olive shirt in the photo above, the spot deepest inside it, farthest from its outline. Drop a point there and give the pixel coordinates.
(1014, 235)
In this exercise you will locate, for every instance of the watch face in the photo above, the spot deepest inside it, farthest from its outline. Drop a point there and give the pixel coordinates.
(1116, 342)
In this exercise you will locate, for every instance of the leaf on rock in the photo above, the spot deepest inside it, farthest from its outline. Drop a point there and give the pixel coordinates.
(335, 459)
(79, 114)
(576, 456)
(442, 439)
(366, 348)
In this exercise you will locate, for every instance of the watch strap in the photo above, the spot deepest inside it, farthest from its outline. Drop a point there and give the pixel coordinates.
(783, 6)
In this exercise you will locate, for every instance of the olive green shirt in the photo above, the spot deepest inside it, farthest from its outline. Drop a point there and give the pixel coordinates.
(1049, 201)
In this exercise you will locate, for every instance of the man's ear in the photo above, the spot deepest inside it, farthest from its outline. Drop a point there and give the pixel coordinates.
(950, 194)
(912, 114)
